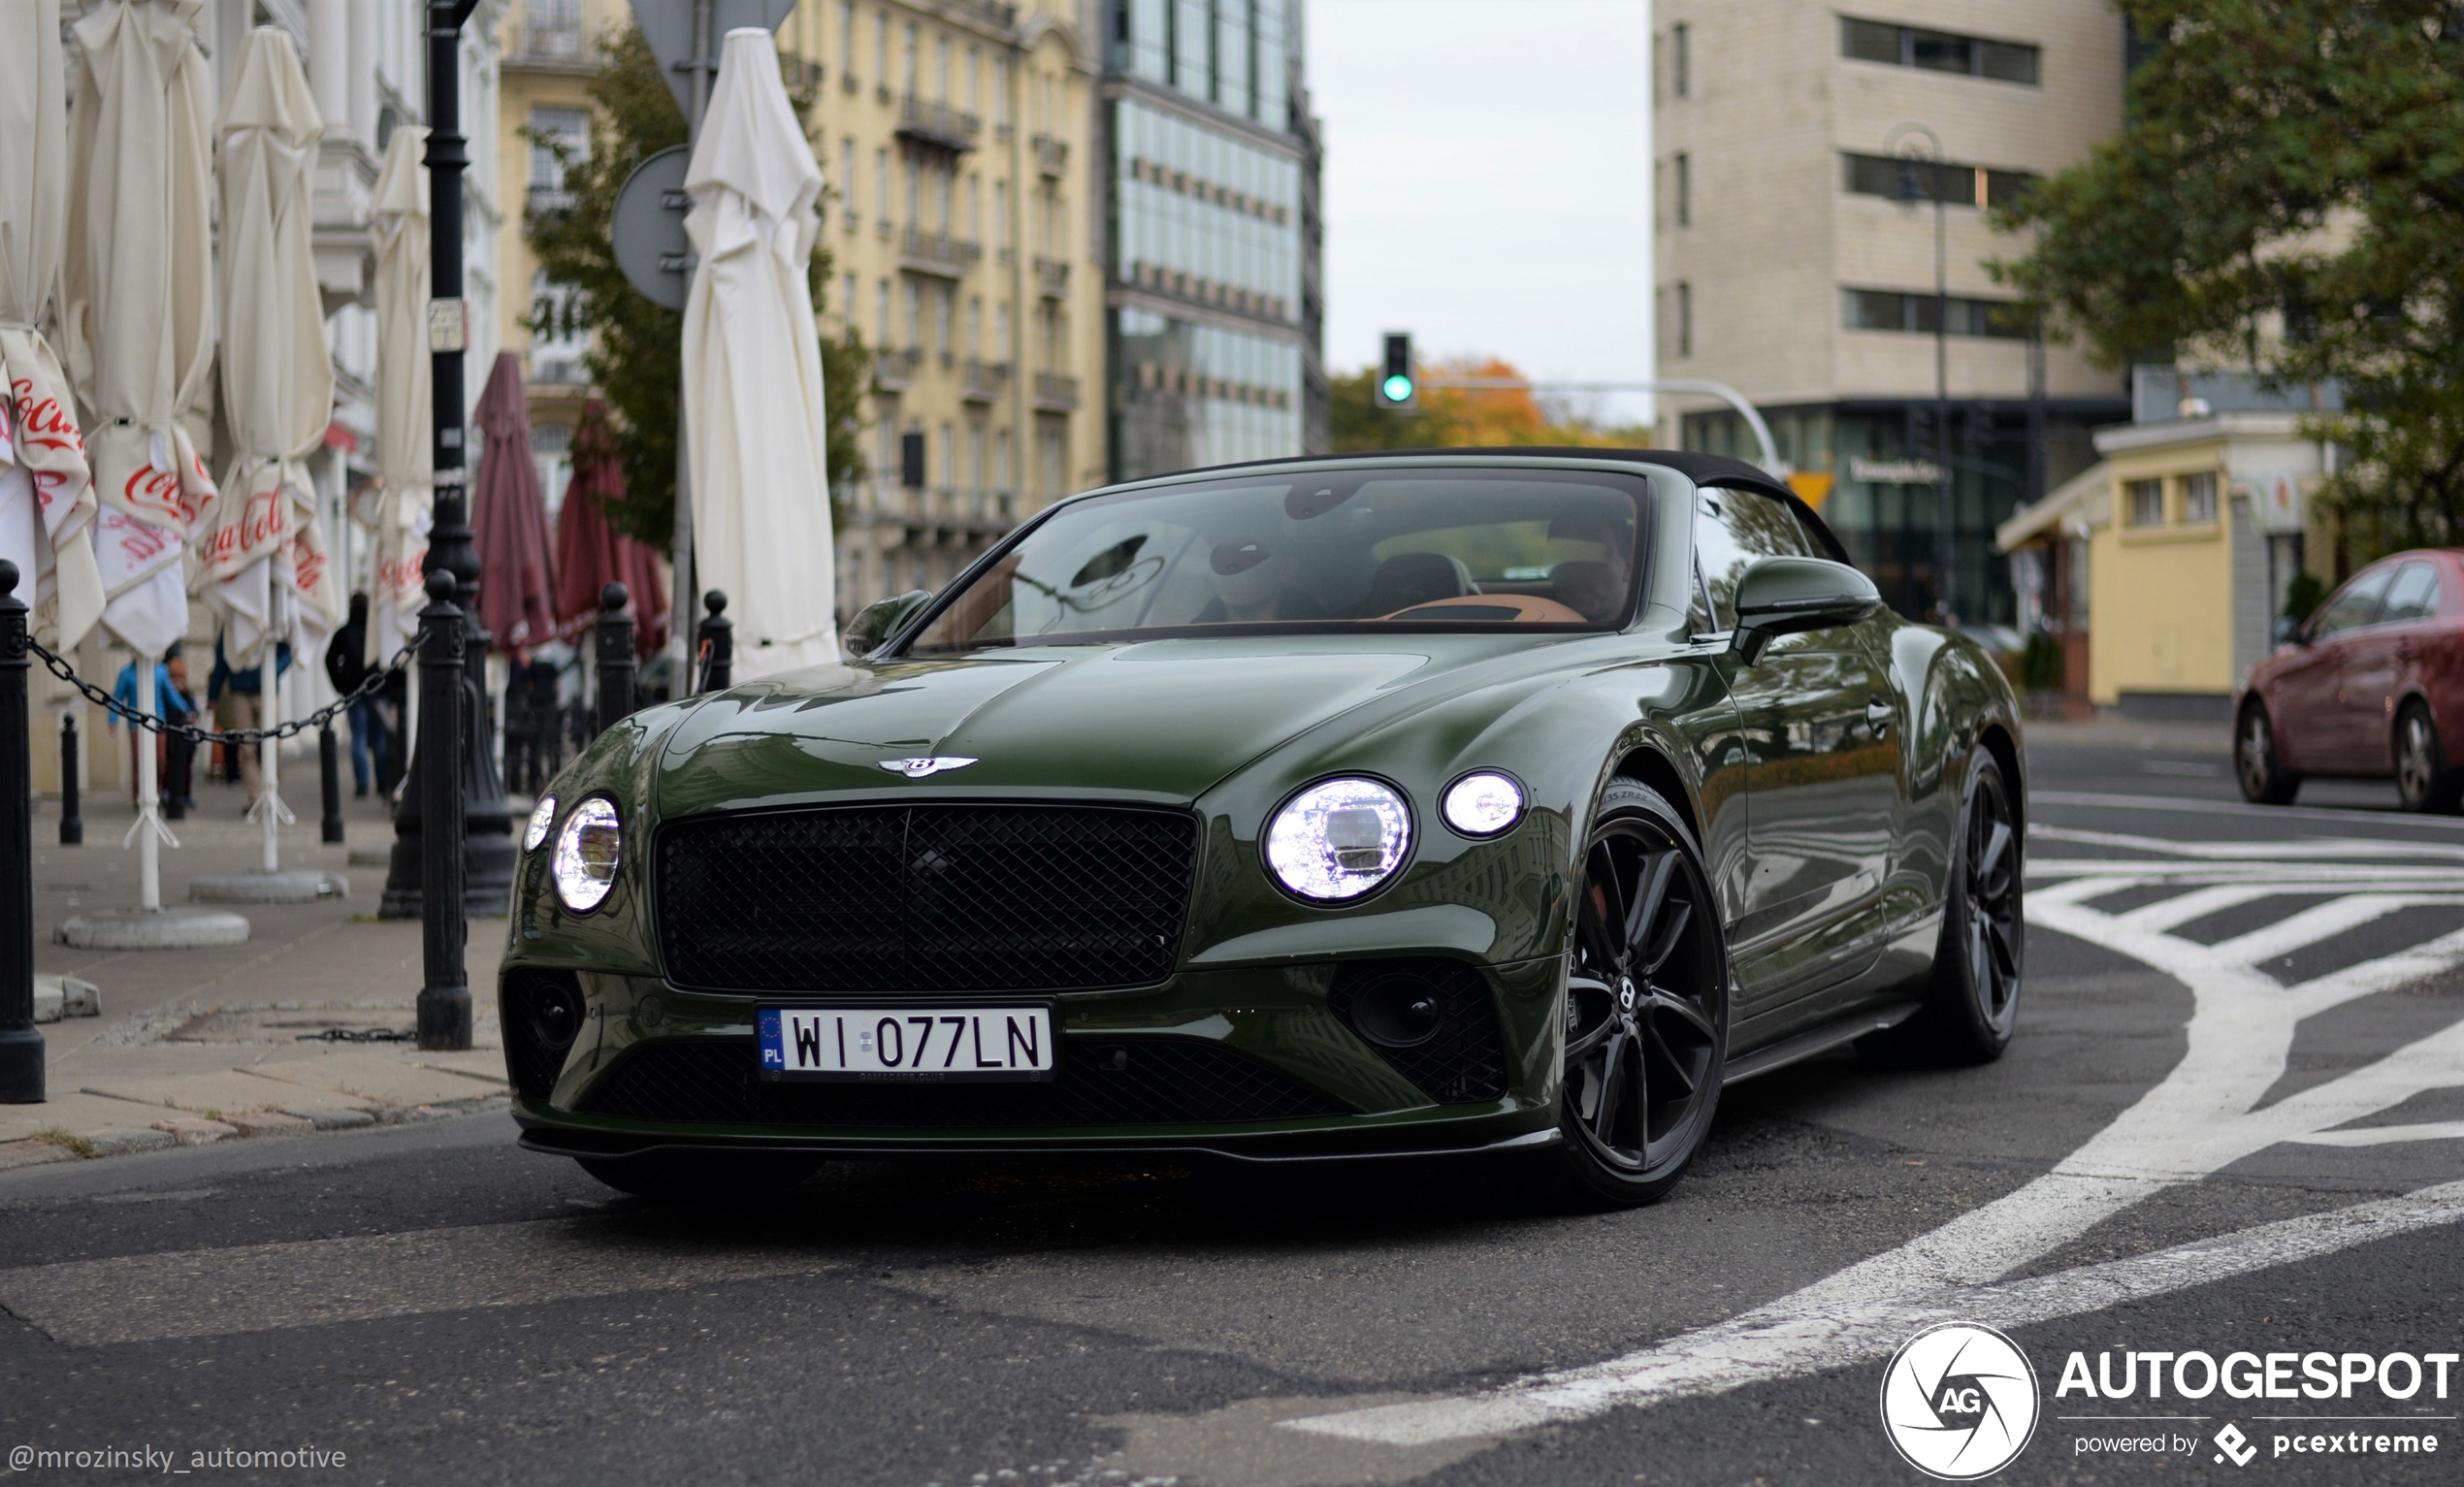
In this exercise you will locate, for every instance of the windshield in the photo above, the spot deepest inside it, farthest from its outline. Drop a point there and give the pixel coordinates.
(1387, 549)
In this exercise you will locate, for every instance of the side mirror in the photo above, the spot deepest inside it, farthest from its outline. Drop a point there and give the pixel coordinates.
(2288, 632)
(1788, 595)
(878, 620)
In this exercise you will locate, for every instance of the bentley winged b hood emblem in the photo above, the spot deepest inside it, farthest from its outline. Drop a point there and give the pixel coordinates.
(918, 768)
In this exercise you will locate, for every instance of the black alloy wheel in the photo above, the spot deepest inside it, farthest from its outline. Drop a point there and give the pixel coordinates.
(1972, 1004)
(2423, 778)
(2257, 765)
(1646, 1004)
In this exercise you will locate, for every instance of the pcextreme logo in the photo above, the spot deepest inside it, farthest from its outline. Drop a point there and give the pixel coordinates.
(1959, 1401)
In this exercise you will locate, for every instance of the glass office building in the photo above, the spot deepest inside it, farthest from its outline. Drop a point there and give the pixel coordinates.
(1213, 312)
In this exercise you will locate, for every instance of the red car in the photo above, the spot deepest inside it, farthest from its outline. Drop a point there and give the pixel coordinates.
(2372, 685)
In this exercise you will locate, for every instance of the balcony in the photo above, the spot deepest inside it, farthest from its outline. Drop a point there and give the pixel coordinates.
(1056, 393)
(937, 125)
(937, 253)
(559, 42)
(553, 203)
(1052, 155)
(986, 380)
(894, 371)
(1052, 277)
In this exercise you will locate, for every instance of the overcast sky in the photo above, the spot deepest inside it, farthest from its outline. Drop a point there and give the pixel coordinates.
(1488, 180)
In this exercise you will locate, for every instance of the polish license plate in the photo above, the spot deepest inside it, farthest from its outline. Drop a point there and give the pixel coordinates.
(919, 1043)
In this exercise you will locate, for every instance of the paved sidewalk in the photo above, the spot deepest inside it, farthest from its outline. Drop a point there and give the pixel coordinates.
(2114, 731)
(203, 1044)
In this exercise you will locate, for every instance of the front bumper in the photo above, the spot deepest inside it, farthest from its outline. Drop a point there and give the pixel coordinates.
(1280, 1021)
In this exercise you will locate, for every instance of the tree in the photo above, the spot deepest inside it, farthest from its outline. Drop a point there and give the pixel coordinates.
(635, 358)
(1460, 417)
(2287, 193)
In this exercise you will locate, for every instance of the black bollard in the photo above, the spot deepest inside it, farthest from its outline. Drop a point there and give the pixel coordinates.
(330, 780)
(20, 1046)
(718, 644)
(615, 656)
(71, 822)
(444, 991)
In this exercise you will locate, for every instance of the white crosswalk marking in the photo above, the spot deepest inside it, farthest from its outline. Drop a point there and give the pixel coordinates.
(2203, 1116)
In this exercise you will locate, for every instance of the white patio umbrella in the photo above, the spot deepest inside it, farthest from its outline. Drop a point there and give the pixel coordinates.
(398, 515)
(265, 565)
(47, 488)
(753, 421)
(136, 327)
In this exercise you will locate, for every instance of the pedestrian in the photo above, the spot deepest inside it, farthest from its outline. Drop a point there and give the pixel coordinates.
(180, 751)
(242, 694)
(172, 704)
(346, 668)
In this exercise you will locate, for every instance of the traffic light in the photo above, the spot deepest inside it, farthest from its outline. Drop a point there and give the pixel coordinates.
(1397, 388)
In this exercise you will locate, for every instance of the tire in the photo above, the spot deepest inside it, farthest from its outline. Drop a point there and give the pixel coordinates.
(2257, 764)
(2423, 779)
(1971, 1000)
(1646, 1016)
(704, 1179)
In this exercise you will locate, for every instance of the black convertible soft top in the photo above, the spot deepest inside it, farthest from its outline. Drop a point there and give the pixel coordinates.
(1700, 468)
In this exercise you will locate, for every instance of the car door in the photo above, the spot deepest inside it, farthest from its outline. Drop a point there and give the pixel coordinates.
(1821, 777)
(2312, 699)
(2375, 658)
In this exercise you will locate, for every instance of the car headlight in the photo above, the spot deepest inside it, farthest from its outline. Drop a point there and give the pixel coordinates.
(1339, 839)
(542, 817)
(587, 853)
(1482, 803)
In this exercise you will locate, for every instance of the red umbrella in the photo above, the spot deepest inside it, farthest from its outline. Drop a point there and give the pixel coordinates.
(591, 555)
(508, 517)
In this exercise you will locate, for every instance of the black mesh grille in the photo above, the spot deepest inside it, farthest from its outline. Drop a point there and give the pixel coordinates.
(925, 898)
(1465, 1063)
(1141, 1081)
(532, 1060)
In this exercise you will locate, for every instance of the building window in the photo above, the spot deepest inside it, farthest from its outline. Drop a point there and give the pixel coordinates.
(1001, 460)
(915, 195)
(555, 133)
(1001, 330)
(2198, 498)
(847, 178)
(1685, 318)
(846, 36)
(551, 452)
(881, 49)
(555, 30)
(949, 456)
(1904, 179)
(1941, 52)
(881, 315)
(911, 463)
(915, 318)
(974, 328)
(941, 323)
(911, 60)
(1892, 309)
(2147, 503)
(846, 301)
(1680, 65)
(1001, 215)
(941, 68)
(1685, 189)
(881, 186)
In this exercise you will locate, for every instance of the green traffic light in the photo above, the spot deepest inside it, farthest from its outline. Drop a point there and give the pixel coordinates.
(1398, 388)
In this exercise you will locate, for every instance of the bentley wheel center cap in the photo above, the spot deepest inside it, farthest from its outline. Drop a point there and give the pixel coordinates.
(1626, 993)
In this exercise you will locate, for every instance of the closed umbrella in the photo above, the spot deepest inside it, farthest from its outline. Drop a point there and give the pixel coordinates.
(754, 426)
(591, 553)
(137, 320)
(265, 564)
(398, 511)
(137, 326)
(46, 489)
(508, 518)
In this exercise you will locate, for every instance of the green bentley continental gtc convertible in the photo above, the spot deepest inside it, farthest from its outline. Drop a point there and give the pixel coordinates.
(1503, 801)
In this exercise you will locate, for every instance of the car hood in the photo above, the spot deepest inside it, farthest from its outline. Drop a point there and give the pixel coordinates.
(1161, 720)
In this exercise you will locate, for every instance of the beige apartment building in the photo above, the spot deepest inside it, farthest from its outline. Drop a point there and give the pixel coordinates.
(1803, 155)
(953, 138)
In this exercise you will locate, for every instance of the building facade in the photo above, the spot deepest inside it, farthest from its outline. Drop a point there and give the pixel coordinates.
(1811, 162)
(1211, 236)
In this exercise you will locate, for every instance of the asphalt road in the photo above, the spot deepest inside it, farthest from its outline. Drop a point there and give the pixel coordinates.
(2231, 1123)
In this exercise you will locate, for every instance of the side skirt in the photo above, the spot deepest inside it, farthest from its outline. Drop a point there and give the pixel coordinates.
(1818, 1040)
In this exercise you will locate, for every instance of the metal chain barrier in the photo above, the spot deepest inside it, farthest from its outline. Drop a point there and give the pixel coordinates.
(367, 688)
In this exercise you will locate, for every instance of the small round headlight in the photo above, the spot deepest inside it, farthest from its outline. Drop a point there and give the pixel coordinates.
(542, 817)
(1339, 839)
(587, 853)
(1482, 804)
